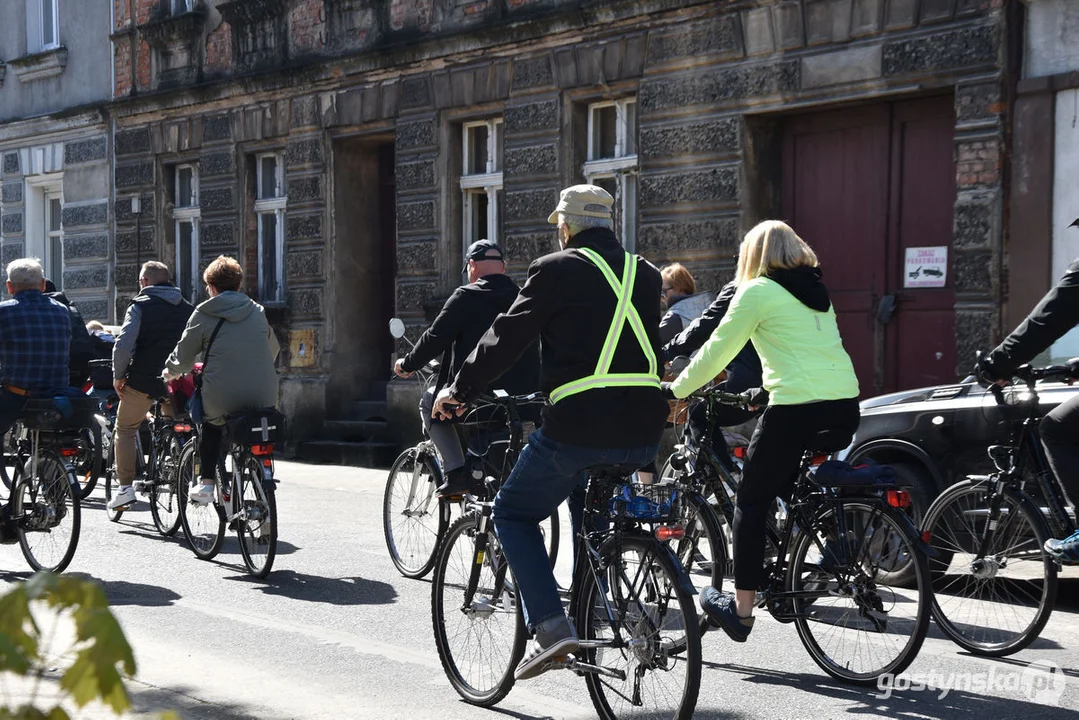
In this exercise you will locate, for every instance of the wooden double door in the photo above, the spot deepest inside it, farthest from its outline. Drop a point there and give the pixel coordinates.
(861, 186)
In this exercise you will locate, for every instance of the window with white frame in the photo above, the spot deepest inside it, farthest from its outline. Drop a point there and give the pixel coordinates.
(186, 215)
(270, 202)
(42, 26)
(612, 161)
(54, 238)
(481, 180)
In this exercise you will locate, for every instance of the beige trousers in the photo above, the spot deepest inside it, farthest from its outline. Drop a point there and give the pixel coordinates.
(129, 417)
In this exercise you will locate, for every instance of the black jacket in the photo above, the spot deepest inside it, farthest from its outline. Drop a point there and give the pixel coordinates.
(568, 304)
(82, 348)
(745, 370)
(464, 319)
(1056, 314)
(157, 318)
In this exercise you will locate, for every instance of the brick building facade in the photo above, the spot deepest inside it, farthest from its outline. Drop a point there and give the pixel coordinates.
(347, 150)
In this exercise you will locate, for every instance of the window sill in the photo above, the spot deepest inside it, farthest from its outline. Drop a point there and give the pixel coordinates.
(40, 65)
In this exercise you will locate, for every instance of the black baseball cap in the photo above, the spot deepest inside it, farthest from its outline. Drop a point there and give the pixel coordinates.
(483, 250)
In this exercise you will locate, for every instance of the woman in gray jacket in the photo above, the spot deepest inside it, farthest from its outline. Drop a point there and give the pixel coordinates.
(239, 372)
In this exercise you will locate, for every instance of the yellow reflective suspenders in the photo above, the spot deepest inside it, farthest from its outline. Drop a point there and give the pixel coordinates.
(624, 313)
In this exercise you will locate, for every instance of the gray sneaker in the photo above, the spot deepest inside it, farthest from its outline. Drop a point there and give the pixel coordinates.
(545, 648)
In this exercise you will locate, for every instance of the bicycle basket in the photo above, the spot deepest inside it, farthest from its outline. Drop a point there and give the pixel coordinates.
(101, 374)
(257, 427)
(59, 413)
(645, 502)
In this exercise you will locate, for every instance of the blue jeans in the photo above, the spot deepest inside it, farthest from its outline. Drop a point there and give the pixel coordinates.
(545, 475)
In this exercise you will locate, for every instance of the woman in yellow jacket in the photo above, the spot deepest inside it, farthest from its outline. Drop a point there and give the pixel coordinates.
(782, 306)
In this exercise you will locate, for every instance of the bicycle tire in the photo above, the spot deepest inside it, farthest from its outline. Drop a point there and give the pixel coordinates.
(703, 550)
(204, 525)
(681, 641)
(256, 526)
(951, 521)
(93, 464)
(39, 506)
(869, 545)
(9, 453)
(413, 540)
(456, 559)
(164, 496)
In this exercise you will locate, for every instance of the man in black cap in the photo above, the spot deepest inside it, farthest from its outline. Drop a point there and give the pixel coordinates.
(459, 326)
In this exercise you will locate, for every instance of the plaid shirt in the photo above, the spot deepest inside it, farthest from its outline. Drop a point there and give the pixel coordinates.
(35, 339)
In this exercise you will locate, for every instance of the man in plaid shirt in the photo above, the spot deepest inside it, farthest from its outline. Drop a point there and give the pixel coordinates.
(35, 337)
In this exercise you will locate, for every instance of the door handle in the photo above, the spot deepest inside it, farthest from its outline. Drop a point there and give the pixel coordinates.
(886, 309)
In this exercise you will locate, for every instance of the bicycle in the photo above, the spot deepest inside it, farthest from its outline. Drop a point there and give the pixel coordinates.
(247, 503)
(45, 506)
(156, 466)
(630, 599)
(833, 561)
(996, 584)
(413, 518)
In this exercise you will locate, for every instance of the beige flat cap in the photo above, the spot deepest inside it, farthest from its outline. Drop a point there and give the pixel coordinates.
(587, 200)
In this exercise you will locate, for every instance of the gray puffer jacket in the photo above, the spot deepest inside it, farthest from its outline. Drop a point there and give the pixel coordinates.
(240, 371)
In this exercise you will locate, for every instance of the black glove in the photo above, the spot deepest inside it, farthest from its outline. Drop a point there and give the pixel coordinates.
(756, 397)
(985, 372)
(665, 388)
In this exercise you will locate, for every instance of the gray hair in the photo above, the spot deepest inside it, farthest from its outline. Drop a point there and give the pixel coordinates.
(154, 272)
(25, 274)
(579, 223)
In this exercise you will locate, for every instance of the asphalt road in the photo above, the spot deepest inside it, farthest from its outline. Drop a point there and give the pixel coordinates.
(336, 633)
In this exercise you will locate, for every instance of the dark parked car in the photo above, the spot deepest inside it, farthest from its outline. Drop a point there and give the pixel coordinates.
(936, 436)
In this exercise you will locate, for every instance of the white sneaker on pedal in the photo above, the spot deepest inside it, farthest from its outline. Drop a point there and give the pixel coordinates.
(123, 499)
(203, 494)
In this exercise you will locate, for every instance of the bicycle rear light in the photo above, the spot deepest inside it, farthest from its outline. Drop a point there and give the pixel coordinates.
(182, 428)
(670, 532)
(267, 463)
(740, 452)
(818, 460)
(897, 498)
(69, 452)
(262, 449)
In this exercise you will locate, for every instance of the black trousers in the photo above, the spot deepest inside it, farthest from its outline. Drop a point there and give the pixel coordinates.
(783, 434)
(210, 450)
(1060, 437)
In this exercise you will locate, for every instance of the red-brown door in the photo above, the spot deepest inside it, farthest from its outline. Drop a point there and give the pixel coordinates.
(860, 186)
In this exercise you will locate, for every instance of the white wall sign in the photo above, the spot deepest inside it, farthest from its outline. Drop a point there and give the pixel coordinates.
(926, 267)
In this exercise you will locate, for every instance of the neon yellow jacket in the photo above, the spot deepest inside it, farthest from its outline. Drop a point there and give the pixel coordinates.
(800, 348)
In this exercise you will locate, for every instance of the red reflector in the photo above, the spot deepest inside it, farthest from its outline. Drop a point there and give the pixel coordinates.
(898, 498)
(69, 452)
(267, 463)
(182, 428)
(670, 532)
(927, 537)
(818, 460)
(266, 449)
(740, 452)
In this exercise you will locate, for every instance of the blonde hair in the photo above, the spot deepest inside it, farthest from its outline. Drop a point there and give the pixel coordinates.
(681, 280)
(772, 245)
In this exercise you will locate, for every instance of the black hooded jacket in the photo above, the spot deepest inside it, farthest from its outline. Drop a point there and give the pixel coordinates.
(82, 347)
(804, 283)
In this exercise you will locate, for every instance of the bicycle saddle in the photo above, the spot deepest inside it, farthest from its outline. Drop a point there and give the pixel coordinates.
(827, 442)
(614, 472)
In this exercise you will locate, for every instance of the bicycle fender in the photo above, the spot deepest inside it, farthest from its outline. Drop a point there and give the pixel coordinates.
(683, 577)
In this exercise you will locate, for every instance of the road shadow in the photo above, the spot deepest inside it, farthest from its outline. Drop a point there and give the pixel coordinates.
(331, 591)
(121, 592)
(1040, 643)
(957, 704)
(185, 702)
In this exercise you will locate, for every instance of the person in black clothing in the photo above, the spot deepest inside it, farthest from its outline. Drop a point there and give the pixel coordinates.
(464, 318)
(601, 376)
(1055, 314)
(82, 350)
(154, 322)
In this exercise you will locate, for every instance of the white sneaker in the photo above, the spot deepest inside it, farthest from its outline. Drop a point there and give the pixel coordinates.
(123, 499)
(203, 494)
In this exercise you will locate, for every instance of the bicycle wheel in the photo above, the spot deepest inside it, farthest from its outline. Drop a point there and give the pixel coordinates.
(643, 625)
(993, 603)
(47, 513)
(413, 519)
(9, 455)
(703, 550)
(858, 626)
(88, 463)
(164, 496)
(204, 525)
(480, 638)
(256, 523)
